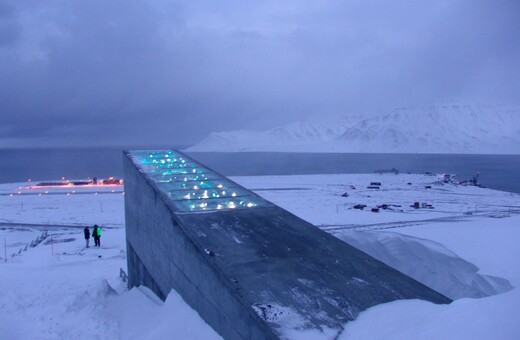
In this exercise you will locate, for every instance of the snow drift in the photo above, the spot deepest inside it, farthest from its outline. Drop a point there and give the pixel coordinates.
(428, 262)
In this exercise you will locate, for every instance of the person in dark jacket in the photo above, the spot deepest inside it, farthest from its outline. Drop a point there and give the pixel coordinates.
(96, 233)
(87, 234)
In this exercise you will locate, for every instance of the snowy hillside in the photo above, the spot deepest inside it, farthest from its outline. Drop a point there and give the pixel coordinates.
(429, 129)
(294, 136)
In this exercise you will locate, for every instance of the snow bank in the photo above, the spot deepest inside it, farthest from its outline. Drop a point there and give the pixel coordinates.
(141, 315)
(428, 262)
(486, 318)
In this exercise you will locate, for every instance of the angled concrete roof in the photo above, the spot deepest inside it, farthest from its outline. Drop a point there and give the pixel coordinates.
(276, 265)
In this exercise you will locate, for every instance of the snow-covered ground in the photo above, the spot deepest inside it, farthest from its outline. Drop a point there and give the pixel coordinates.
(465, 246)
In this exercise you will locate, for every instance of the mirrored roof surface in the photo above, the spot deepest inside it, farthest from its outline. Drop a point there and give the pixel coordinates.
(191, 186)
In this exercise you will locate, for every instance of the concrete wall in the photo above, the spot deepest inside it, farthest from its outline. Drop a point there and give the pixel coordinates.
(162, 257)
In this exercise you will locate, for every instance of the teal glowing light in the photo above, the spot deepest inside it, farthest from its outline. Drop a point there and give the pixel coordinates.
(191, 186)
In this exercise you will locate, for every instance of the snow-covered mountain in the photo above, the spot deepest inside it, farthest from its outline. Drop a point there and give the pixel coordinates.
(446, 128)
(298, 136)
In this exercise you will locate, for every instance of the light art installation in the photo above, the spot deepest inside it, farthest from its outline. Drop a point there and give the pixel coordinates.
(191, 186)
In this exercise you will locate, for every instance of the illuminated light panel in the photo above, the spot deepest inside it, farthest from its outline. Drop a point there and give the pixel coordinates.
(191, 186)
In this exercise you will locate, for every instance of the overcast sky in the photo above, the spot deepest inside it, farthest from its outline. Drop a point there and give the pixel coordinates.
(115, 72)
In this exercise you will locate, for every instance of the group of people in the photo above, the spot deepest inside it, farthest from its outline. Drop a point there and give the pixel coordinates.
(96, 234)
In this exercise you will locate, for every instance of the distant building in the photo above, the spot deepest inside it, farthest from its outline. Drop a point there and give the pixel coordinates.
(112, 181)
(393, 170)
(246, 265)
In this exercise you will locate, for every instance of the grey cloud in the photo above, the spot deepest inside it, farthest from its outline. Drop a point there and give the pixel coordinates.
(9, 26)
(170, 72)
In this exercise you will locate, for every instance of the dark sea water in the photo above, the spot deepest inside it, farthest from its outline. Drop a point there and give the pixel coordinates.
(501, 172)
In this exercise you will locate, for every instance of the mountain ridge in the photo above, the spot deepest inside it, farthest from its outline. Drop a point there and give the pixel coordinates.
(448, 128)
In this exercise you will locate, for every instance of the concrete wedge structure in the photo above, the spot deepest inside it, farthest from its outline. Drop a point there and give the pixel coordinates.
(251, 269)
